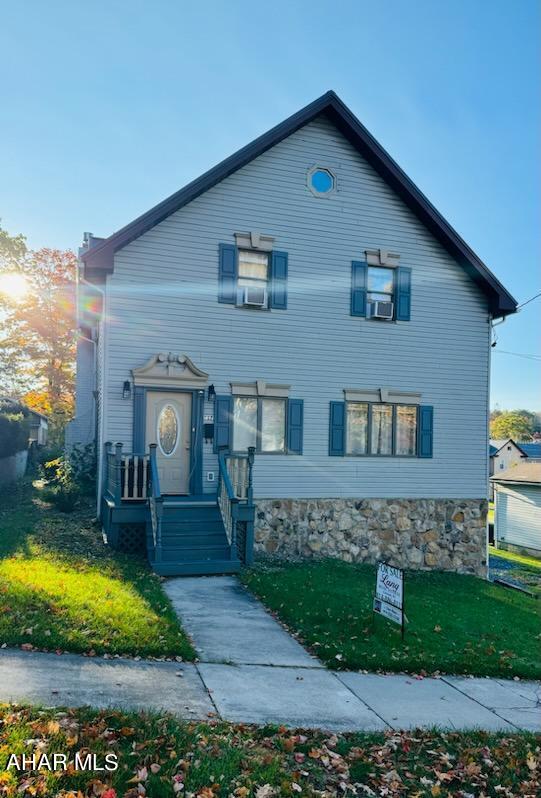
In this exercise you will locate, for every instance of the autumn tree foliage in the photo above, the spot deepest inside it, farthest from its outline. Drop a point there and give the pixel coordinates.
(37, 342)
(517, 424)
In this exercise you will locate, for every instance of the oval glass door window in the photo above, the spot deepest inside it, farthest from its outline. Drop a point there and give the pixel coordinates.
(168, 429)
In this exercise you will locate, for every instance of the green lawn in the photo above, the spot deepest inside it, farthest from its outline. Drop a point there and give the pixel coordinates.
(159, 756)
(61, 588)
(518, 568)
(457, 624)
(520, 559)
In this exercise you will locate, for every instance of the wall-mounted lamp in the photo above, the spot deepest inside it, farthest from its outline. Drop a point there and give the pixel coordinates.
(126, 390)
(211, 393)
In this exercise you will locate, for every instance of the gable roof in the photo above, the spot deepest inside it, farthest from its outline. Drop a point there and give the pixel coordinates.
(499, 443)
(9, 400)
(531, 450)
(100, 257)
(529, 473)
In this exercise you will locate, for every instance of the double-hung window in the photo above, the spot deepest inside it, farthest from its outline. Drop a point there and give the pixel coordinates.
(380, 284)
(259, 422)
(253, 277)
(406, 430)
(380, 292)
(381, 429)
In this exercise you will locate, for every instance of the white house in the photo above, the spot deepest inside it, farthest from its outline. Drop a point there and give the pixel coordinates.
(517, 512)
(303, 298)
(507, 453)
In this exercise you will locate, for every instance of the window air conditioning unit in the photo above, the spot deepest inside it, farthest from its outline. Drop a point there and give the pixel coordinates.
(381, 310)
(255, 296)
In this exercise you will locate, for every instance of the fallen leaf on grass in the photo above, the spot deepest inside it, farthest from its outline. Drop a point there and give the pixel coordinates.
(531, 761)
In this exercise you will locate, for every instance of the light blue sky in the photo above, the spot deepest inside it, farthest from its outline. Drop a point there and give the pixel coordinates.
(108, 107)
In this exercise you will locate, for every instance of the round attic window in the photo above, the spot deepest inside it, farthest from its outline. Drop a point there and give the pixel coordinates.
(321, 181)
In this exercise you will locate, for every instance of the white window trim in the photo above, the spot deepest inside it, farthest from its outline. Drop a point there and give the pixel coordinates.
(240, 289)
(317, 168)
(260, 388)
(386, 395)
(382, 257)
(254, 240)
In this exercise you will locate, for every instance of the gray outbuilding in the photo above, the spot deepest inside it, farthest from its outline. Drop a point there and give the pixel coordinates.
(517, 516)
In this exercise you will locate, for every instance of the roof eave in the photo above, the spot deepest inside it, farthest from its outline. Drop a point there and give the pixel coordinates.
(515, 481)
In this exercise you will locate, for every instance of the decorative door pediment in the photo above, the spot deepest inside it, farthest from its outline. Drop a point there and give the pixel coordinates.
(168, 369)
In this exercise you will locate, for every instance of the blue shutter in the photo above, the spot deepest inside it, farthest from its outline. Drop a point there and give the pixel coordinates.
(227, 274)
(295, 413)
(337, 429)
(222, 421)
(278, 283)
(358, 288)
(425, 431)
(139, 420)
(403, 294)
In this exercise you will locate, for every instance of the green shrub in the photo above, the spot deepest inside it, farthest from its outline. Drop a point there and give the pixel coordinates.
(45, 455)
(83, 464)
(14, 428)
(65, 499)
(70, 476)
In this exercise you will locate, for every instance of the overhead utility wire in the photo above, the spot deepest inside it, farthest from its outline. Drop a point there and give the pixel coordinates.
(528, 301)
(537, 358)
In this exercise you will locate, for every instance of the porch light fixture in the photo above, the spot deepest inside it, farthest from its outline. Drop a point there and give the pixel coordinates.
(126, 390)
(211, 393)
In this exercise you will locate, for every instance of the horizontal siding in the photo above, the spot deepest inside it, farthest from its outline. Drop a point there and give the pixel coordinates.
(82, 429)
(163, 297)
(518, 515)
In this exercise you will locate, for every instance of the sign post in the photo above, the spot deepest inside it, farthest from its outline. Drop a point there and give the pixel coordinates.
(389, 595)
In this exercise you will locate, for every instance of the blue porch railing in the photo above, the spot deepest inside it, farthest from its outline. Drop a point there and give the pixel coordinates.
(236, 500)
(126, 475)
(155, 503)
(132, 480)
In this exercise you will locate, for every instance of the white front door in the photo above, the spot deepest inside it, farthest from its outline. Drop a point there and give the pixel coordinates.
(169, 425)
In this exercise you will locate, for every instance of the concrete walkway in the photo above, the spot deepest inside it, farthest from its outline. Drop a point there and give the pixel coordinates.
(251, 670)
(229, 625)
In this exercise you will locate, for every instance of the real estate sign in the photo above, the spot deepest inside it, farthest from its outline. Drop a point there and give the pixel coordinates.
(388, 611)
(390, 585)
(389, 595)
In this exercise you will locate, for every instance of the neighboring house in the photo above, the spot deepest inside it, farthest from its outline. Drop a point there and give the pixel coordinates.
(517, 512)
(303, 298)
(505, 454)
(39, 427)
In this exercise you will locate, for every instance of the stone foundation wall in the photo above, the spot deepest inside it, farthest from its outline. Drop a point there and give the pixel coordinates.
(444, 534)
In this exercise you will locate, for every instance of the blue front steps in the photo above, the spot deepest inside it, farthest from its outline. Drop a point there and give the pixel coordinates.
(193, 539)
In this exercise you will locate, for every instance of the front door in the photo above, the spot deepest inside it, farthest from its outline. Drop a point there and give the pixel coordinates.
(169, 425)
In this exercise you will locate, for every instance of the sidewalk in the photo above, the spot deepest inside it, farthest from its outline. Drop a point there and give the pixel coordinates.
(252, 671)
